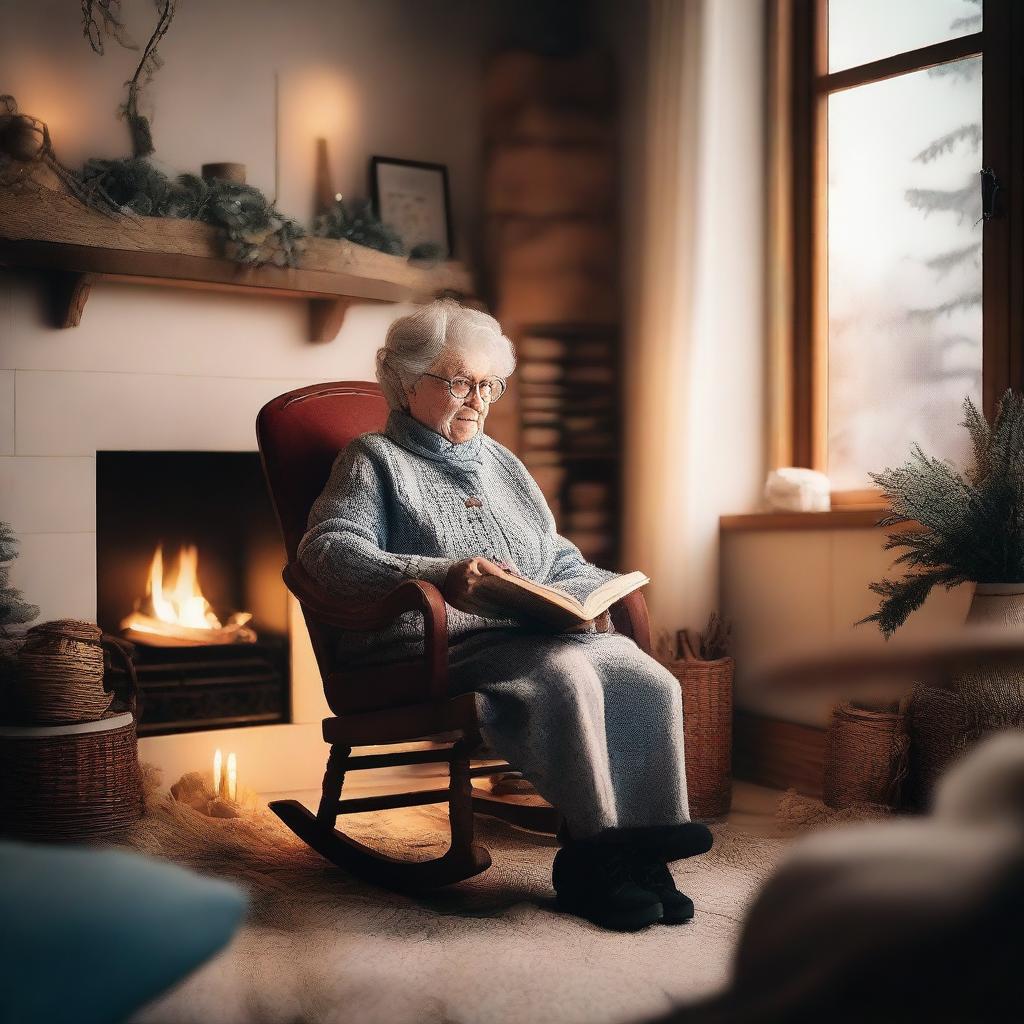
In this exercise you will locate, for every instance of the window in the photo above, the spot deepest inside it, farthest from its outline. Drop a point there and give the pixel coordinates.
(892, 293)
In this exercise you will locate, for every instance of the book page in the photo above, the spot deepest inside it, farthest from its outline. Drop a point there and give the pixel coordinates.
(608, 593)
(552, 605)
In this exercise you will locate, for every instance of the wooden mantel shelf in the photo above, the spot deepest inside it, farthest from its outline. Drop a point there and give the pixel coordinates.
(76, 247)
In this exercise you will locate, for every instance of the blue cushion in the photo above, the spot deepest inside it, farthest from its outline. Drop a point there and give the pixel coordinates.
(91, 934)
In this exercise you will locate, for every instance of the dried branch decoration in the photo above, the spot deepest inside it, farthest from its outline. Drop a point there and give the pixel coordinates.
(25, 148)
(109, 12)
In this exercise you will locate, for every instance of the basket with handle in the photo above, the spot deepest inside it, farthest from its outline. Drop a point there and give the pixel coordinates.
(76, 781)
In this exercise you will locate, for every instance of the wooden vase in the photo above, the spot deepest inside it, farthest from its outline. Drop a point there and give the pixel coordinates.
(233, 172)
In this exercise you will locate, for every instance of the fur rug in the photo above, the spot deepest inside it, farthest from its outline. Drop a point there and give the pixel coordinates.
(796, 813)
(320, 947)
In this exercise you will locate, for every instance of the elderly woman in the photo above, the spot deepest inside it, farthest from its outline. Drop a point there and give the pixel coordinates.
(593, 722)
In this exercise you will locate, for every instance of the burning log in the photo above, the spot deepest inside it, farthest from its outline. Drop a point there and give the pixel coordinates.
(180, 616)
(145, 629)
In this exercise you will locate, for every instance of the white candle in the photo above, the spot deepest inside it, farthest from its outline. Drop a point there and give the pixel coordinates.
(218, 781)
(232, 777)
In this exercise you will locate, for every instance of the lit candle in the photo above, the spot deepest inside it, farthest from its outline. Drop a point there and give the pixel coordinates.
(232, 777)
(218, 781)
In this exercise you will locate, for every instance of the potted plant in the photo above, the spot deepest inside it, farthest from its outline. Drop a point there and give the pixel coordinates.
(972, 531)
(972, 524)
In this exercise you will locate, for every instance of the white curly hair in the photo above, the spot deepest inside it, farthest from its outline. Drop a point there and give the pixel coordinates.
(414, 342)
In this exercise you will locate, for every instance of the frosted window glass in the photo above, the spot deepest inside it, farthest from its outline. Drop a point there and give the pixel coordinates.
(860, 31)
(904, 268)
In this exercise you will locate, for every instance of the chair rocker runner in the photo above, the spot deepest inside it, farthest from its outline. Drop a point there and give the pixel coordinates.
(299, 434)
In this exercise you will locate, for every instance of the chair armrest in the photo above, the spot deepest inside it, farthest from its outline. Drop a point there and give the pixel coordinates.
(349, 613)
(630, 617)
(360, 614)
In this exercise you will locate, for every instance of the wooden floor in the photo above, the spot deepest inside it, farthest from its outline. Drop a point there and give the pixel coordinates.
(753, 808)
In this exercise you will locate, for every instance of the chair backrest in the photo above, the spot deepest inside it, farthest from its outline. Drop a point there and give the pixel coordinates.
(300, 434)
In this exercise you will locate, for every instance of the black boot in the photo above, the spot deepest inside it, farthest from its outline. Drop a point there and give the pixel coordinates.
(651, 873)
(594, 880)
(670, 842)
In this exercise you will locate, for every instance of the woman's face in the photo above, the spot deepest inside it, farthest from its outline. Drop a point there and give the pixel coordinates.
(432, 404)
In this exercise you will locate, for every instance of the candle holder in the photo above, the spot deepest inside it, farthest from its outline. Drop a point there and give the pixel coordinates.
(215, 794)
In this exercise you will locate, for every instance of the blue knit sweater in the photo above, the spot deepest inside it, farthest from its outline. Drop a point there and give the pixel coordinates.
(397, 505)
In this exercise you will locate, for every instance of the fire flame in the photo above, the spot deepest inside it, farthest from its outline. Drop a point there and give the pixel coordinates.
(184, 603)
(178, 613)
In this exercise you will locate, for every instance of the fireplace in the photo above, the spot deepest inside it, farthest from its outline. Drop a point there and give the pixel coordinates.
(188, 566)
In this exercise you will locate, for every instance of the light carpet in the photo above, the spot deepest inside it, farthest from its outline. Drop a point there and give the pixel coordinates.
(796, 813)
(320, 947)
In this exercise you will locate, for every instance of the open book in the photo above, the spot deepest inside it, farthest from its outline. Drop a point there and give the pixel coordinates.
(553, 606)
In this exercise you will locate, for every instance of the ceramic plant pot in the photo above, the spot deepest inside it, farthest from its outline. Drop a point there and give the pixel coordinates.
(945, 723)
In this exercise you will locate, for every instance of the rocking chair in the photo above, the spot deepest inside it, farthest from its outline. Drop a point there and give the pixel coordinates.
(300, 434)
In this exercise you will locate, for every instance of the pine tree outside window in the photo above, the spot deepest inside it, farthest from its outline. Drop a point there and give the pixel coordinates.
(893, 293)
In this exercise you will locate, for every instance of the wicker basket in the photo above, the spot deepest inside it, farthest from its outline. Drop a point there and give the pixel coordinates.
(73, 782)
(59, 675)
(707, 710)
(865, 756)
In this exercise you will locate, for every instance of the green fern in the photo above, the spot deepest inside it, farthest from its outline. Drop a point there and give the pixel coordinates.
(255, 231)
(357, 222)
(973, 523)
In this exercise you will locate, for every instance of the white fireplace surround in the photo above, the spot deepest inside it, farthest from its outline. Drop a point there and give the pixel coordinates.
(156, 370)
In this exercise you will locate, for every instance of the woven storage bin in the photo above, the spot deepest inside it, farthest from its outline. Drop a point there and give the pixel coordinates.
(59, 675)
(865, 756)
(707, 716)
(74, 782)
(70, 782)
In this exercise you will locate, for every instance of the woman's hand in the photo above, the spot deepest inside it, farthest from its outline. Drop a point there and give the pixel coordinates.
(461, 583)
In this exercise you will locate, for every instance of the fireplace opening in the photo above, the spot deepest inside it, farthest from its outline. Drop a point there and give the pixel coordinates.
(188, 567)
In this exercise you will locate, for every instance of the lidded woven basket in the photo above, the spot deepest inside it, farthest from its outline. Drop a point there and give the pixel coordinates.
(59, 675)
(74, 780)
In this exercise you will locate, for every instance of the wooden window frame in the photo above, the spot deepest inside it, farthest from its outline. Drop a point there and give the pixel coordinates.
(797, 254)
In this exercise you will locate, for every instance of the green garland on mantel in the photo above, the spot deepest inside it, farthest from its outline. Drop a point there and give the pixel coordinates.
(356, 222)
(257, 233)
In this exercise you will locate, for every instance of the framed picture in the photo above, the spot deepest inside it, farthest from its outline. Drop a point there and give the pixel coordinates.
(412, 197)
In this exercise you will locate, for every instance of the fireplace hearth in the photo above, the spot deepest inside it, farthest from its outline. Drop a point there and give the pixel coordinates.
(188, 567)
(211, 687)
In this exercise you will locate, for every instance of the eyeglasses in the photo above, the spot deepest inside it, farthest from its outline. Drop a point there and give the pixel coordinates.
(488, 390)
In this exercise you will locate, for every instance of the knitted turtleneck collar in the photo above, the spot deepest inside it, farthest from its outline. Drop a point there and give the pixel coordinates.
(421, 440)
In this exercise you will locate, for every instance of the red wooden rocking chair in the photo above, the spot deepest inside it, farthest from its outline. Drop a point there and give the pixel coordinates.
(300, 434)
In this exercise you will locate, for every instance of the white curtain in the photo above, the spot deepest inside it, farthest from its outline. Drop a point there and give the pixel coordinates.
(693, 323)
